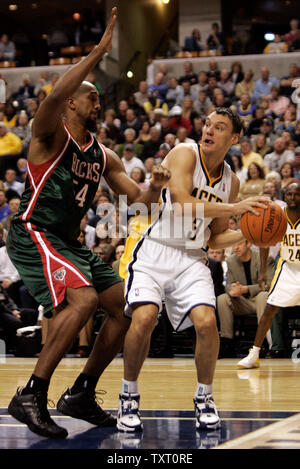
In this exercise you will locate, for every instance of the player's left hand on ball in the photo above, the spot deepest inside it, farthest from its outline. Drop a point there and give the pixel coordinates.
(160, 176)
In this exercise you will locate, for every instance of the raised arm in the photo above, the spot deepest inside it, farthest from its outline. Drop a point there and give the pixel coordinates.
(47, 121)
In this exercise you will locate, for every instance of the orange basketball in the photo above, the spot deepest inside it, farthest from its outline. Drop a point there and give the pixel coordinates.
(267, 229)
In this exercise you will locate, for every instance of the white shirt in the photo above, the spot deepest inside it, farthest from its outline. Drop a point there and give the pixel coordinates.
(7, 269)
(133, 163)
(15, 186)
(89, 236)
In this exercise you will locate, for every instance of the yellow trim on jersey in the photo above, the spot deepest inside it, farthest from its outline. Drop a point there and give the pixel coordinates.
(211, 181)
(293, 225)
(279, 264)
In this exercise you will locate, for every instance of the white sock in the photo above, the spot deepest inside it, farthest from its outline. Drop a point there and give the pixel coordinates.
(256, 350)
(130, 387)
(203, 389)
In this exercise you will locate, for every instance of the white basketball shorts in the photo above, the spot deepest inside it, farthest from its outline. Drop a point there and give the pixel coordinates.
(285, 286)
(159, 273)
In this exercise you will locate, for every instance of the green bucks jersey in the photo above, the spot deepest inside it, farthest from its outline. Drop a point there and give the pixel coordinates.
(60, 191)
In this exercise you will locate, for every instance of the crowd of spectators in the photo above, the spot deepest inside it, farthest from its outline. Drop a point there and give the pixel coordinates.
(145, 126)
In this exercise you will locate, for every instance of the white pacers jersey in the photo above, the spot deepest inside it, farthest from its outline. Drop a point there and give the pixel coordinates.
(290, 244)
(188, 233)
(284, 289)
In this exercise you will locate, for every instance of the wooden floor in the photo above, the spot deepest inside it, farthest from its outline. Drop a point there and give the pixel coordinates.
(268, 394)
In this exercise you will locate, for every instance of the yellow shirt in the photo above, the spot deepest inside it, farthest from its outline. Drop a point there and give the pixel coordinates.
(10, 144)
(252, 157)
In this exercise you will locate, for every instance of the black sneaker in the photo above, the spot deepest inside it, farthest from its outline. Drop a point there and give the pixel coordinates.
(32, 410)
(84, 406)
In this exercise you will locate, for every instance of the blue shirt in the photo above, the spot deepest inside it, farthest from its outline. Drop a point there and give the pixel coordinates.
(4, 212)
(264, 87)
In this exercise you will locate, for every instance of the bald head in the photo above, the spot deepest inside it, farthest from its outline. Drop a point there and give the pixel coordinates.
(85, 87)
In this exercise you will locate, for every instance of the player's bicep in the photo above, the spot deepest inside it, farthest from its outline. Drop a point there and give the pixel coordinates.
(117, 178)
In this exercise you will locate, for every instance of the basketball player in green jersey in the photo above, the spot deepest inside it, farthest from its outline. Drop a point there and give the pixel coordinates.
(65, 163)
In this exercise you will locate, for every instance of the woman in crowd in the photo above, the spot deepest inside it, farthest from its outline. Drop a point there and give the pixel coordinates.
(254, 183)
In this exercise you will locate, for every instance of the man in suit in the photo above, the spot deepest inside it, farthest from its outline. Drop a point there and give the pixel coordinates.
(243, 294)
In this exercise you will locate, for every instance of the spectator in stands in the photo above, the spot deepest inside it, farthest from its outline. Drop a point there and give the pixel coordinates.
(193, 43)
(212, 85)
(203, 104)
(189, 74)
(170, 140)
(236, 73)
(139, 176)
(197, 126)
(22, 169)
(182, 136)
(287, 175)
(118, 254)
(10, 115)
(13, 206)
(293, 35)
(11, 183)
(273, 161)
(176, 119)
(48, 86)
(165, 128)
(246, 85)
(215, 40)
(154, 103)
(144, 133)
(13, 318)
(158, 89)
(186, 90)
(286, 82)
(151, 147)
(261, 145)
(26, 90)
(264, 84)
(214, 69)
(130, 135)
(256, 123)
(23, 130)
(226, 83)
(7, 48)
(240, 171)
(173, 93)
(243, 294)
(248, 155)
(10, 147)
(164, 149)
(266, 128)
(130, 160)
(141, 96)
(245, 109)
(4, 208)
(278, 104)
(89, 232)
(296, 163)
(132, 121)
(254, 183)
(201, 84)
(277, 46)
(188, 111)
(287, 121)
(42, 81)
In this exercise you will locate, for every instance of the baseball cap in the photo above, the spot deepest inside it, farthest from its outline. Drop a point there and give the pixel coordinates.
(158, 111)
(175, 111)
(129, 147)
(165, 146)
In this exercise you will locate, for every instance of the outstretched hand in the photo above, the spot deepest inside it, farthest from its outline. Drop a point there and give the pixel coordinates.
(160, 176)
(106, 41)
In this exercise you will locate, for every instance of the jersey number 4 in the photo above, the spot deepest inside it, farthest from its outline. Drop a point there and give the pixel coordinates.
(80, 197)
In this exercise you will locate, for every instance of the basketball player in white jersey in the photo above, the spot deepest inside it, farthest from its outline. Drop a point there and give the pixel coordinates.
(171, 268)
(285, 286)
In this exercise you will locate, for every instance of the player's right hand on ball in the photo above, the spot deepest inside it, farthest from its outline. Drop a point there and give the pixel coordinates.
(249, 205)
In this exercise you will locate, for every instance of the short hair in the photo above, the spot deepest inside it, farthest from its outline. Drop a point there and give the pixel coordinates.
(236, 122)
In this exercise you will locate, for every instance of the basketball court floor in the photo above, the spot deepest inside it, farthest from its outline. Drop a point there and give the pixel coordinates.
(259, 408)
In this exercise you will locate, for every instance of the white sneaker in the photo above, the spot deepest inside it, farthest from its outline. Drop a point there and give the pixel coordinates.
(207, 416)
(128, 413)
(251, 361)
